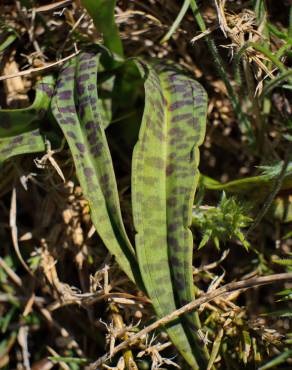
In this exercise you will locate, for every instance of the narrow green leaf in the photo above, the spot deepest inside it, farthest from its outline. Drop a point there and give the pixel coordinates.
(246, 346)
(164, 177)
(280, 313)
(215, 349)
(249, 185)
(255, 350)
(278, 360)
(7, 35)
(19, 133)
(285, 262)
(28, 142)
(177, 21)
(82, 125)
(102, 13)
(68, 360)
(10, 38)
(275, 82)
(17, 121)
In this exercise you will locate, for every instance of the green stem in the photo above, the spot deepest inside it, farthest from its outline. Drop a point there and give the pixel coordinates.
(177, 21)
(275, 82)
(221, 69)
(277, 186)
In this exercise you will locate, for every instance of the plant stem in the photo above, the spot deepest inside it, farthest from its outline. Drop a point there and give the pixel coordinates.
(221, 69)
(271, 196)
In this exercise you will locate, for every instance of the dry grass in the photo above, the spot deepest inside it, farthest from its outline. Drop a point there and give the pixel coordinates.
(61, 294)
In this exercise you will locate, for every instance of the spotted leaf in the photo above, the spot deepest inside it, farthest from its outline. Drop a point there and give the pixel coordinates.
(76, 109)
(18, 127)
(164, 178)
(16, 121)
(28, 142)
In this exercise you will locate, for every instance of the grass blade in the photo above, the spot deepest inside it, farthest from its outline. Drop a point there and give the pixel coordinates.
(219, 64)
(177, 21)
(164, 177)
(248, 184)
(85, 135)
(215, 349)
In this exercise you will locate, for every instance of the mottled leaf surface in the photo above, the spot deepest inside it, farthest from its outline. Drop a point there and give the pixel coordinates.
(16, 121)
(28, 142)
(164, 177)
(18, 133)
(75, 107)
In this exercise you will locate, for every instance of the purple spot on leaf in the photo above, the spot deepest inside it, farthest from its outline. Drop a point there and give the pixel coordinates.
(89, 125)
(80, 147)
(88, 171)
(17, 140)
(65, 95)
(71, 134)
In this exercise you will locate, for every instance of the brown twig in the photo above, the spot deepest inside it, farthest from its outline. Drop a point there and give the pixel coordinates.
(228, 288)
(54, 6)
(34, 70)
(14, 231)
(11, 274)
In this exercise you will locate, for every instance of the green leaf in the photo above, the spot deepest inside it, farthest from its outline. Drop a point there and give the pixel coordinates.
(280, 313)
(278, 360)
(68, 360)
(246, 339)
(10, 38)
(164, 178)
(7, 35)
(76, 109)
(6, 319)
(28, 142)
(102, 13)
(285, 262)
(17, 121)
(223, 222)
(19, 131)
(177, 21)
(215, 348)
(248, 185)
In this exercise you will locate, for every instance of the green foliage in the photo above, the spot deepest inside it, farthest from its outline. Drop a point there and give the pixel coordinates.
(81, 123)
(177, 21)
(164, 177)
(250, 185)
(28, 142)
(20, 129)
(102, 13)
(69, 360)
(19, 121)
(83, 117)
(273, 171)
(90, 92)
(222, 223)
(7, 35)
(278, 360)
